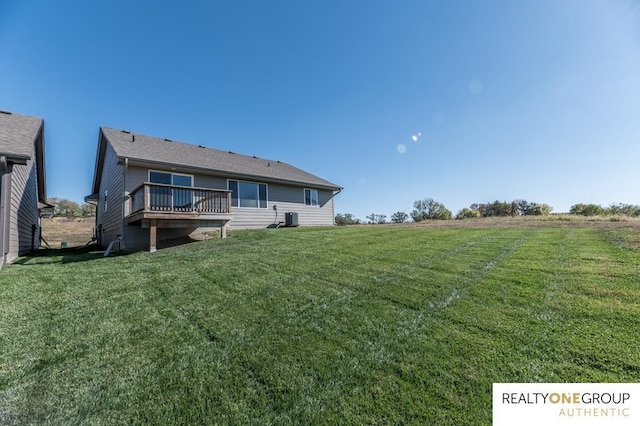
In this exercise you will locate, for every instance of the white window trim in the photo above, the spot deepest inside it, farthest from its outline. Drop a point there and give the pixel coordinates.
(304, 197)
(250, 181)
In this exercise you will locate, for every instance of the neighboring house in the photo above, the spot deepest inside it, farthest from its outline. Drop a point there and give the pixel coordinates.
(148, 189)
(22, 189)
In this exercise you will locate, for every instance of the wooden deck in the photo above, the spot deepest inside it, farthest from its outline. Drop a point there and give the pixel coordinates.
(153, 205)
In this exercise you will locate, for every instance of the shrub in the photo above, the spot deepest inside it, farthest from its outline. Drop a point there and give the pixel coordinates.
(346, 219)
(466, 213)
(587, 209)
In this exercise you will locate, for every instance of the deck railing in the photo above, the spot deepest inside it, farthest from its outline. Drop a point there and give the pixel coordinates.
(157, 197)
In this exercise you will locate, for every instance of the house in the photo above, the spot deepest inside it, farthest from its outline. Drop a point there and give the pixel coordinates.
(147, 189)
(22, 188)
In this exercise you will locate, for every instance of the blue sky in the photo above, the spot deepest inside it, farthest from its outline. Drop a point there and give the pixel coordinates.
(535, 100)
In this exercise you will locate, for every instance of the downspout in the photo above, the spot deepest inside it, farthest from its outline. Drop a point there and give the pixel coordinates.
(333, 205)
(125, 198)
(33, 236)
(4, 167)
(95, 238)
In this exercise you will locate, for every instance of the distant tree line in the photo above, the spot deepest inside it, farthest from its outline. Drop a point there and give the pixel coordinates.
(504, 208)
(71, 209)
(618, 209)
(377, 218)
(429, 209)
(346, 219)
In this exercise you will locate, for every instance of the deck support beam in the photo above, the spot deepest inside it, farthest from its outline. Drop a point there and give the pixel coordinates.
(152, 235)
(157, 222)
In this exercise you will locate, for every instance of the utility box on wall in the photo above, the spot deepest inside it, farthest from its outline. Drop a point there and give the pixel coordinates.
(291, 219)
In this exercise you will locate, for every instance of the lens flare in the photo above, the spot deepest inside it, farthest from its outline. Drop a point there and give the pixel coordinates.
(475, 87)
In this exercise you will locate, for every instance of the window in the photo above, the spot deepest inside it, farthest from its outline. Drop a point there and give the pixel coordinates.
(248, 194)
(311, 197)
(106, 205)
(160, 177)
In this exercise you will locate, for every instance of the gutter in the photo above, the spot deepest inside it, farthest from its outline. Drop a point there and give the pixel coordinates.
(15, 159)
(124, 199)
(5, 206)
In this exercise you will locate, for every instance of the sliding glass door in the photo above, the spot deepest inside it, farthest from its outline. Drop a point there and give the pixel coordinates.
(170, 198)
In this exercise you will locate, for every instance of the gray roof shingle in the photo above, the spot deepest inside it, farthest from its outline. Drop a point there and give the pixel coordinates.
(17, 134)
(163, 151)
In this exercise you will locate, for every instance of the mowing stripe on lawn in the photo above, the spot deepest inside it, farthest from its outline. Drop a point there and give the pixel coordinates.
(344, 325)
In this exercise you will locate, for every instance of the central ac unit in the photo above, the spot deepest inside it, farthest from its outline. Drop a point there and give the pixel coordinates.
(291, 219)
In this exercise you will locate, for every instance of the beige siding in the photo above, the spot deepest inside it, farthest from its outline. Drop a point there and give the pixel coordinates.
(134, 237)
(136, 176)
(137, 237)
(215, 182)
(24, 210)
(282, 199)
(111, 197)
(285, 198)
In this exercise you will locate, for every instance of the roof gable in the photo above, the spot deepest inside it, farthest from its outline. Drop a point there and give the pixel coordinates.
(18, 134)
(208, 160)
(21, 137)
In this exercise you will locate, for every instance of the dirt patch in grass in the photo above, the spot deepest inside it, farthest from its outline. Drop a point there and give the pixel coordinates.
(74, 232)
(192, 238)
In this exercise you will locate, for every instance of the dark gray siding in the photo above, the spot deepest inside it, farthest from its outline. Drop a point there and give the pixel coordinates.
(109, 211)
(24, 210)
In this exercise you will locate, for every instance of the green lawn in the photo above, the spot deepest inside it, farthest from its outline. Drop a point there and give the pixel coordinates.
(357, 325)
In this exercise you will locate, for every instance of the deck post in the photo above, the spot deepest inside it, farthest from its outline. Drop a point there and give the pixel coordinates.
(223, 230)
(152, 235)
(147, 201)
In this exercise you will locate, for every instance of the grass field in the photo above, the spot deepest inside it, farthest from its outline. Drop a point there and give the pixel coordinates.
(356, 325)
